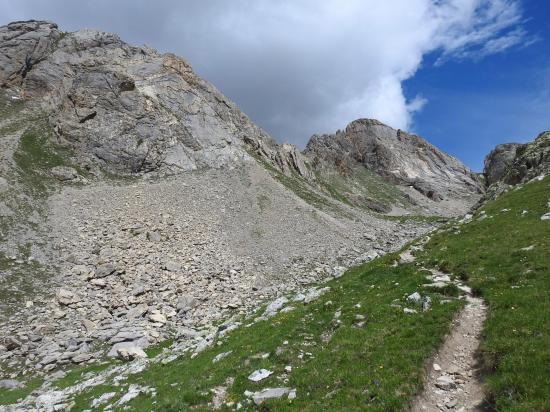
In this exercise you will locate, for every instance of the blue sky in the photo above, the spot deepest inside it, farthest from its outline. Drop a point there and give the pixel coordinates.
(474, 104)
(464, 74)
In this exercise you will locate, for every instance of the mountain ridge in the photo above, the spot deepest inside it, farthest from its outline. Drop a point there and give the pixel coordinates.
(133, 110)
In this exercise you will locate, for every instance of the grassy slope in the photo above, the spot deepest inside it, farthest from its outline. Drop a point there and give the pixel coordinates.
(31, 182)
(516, 286)
(378, 366)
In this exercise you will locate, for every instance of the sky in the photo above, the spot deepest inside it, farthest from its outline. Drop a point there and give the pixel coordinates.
(464, 74)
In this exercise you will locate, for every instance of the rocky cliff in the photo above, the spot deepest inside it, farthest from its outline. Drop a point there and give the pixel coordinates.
(514, 163)
(397, 156)
(129, 109)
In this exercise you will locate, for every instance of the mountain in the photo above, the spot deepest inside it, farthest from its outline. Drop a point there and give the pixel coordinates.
(399, 158)
(144, 220)
(136, 202)
(128, 109)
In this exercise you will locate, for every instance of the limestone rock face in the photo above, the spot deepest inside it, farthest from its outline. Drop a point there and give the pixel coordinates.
(130, 109)
(532, 160)
(499, 160)
(513, 163)
(397, 156)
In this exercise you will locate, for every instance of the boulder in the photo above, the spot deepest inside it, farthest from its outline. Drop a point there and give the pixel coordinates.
(140, 343)
(64, 173)
(186, 303)
(271, 393)
(10, 384)
(66, 297)
(130, 352)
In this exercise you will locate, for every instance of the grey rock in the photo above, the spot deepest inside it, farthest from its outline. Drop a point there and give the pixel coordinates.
(396, 156)
(414, 298)
(154, 113)
(82, 357)
(66, 297)
(131, 353)
(220, 356)
(314, 294)
(104, 270)
(153, 236)
(64, 173)
(103, 399)
(10, 384)
(10, 343)
(445, 382)
(157, 317)
(513, 164)
(271, 393)
(113, 352)
(275, 306)
(137, 312)
(259, 375)
(186, 303)
(128, 335)
(171, 266)
(498, 161)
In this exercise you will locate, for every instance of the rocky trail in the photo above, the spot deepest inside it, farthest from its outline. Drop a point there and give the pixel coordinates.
(453, 382)
(453, 379)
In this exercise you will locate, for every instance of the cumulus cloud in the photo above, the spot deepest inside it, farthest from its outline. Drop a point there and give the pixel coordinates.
(299, 67)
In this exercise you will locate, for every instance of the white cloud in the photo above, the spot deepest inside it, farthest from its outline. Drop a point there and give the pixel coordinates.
(299, 67)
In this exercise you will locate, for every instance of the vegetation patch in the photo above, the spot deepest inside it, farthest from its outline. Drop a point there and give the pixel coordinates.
(505, 253)
(352, 349)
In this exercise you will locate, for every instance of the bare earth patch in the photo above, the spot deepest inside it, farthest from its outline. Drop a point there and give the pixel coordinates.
(453, 379)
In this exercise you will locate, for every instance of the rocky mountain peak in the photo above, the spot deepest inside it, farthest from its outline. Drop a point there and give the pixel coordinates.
(397, 156)
(129, 109)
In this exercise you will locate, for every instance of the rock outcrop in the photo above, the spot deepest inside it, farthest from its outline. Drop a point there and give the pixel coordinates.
(498, 161)
(397, 156)
(515, 163)
(129, 109)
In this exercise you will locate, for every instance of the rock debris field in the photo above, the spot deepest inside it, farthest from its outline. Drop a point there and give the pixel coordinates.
(141, 261)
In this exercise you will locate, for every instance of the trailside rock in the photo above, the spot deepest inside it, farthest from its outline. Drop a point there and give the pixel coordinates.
(259, 375)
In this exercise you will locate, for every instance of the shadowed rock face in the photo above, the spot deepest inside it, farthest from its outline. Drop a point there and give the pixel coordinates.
(130, 109)
(499, 160)
(515, 163)
(397, 156)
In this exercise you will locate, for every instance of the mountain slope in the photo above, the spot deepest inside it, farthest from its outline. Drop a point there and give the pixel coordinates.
(129, 109)
(399, 158)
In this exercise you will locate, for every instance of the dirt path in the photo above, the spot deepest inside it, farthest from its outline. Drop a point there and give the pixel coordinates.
(453, 382)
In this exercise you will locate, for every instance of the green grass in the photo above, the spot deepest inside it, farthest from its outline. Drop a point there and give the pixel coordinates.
(35, 156)
(360, 186)
(8, 397)
(515, 283)
(377, 367)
